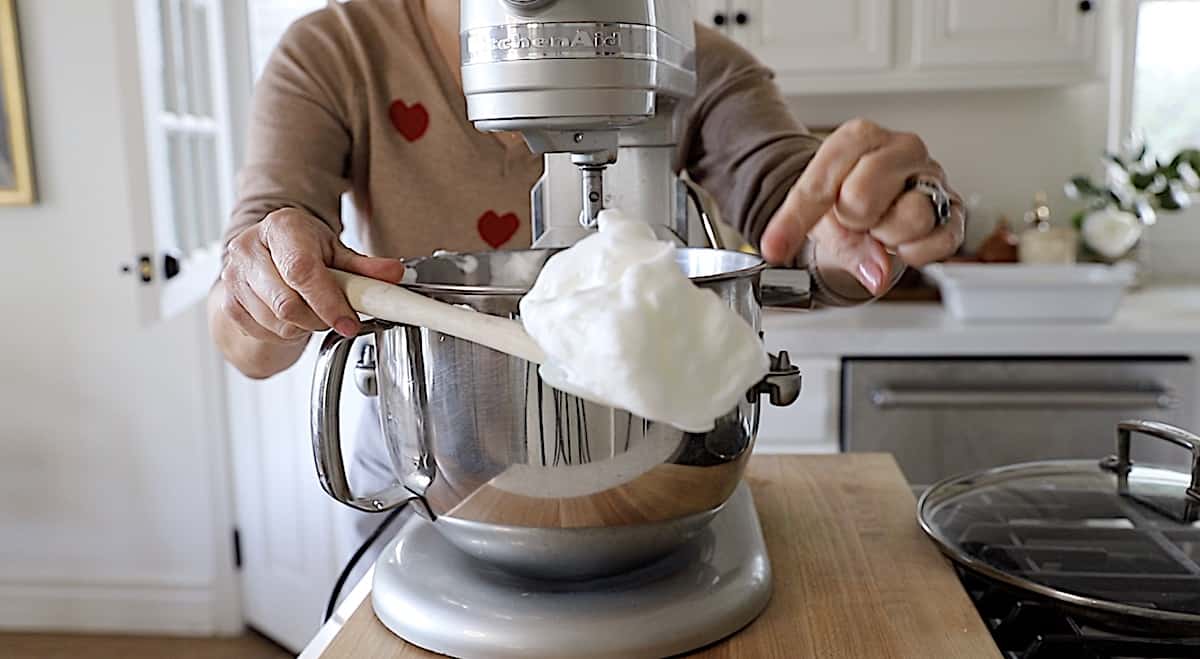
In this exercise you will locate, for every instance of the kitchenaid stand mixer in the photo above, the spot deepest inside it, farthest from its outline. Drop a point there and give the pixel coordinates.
(551, 526)
(599, 88)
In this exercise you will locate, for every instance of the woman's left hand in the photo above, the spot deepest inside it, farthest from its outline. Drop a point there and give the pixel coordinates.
(856, 203)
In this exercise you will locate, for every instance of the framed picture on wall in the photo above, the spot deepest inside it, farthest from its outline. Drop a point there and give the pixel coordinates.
(16, 160)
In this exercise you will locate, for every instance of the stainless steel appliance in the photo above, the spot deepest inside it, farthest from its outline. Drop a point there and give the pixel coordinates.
(542, 510)
(1093, 558)
(519, 474)
(598, 87)
(941, 417)
(552, 526)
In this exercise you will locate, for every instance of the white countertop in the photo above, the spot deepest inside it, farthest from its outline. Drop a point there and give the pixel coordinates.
(1157, 320)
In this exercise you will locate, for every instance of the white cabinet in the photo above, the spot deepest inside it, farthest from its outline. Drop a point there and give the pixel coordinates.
(821, 47)
(810, 425)
(808, 35)
(985, 33)
(797, 36)
(713, 13)
(816, 35)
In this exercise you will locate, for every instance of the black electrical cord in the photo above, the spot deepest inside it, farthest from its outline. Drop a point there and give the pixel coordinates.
(358, 554)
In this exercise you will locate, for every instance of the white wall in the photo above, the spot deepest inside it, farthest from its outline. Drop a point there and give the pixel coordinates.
(1004, 146)
(1007, 145)
(113, 508)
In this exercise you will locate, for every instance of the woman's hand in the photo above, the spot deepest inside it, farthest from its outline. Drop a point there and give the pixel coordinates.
(855, 202)
(276, 289)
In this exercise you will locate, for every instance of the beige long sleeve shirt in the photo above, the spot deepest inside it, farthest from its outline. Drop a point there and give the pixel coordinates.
(357, 98)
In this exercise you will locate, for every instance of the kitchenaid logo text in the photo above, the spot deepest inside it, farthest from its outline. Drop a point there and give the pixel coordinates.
(580, 40)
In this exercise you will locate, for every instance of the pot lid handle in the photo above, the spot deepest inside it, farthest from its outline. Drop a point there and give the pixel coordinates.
(1122, 465)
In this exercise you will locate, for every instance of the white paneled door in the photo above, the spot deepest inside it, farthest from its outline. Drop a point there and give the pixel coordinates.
(293, 537)
(803, 36)
(184, 132)
(196, 62)
(1041, 33)
(288, 527)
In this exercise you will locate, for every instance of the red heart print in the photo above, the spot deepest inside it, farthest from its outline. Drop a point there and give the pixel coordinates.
(411, 120)
(498, 229)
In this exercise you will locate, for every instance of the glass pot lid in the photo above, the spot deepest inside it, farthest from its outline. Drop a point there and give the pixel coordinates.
(1117, 537)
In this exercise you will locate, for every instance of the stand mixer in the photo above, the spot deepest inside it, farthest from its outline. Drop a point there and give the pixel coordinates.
(548, 525)
(598, 87)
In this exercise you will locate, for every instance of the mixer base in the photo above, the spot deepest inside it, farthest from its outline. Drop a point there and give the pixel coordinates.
(436, 597)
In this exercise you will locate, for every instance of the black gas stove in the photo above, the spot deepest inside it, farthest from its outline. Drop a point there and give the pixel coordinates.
(1024, 628)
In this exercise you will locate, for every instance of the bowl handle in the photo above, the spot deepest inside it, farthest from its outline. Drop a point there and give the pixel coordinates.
(782, 382)
(326, 432)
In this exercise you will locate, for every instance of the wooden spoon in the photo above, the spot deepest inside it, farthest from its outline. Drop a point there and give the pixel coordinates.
(396, 304)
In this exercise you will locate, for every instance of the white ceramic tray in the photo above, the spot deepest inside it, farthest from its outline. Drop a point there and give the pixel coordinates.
(1012, 293)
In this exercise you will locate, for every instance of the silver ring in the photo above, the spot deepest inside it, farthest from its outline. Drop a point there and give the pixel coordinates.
(938, 196)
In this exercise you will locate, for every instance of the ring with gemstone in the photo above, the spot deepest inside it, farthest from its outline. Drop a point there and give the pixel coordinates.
(937, 194)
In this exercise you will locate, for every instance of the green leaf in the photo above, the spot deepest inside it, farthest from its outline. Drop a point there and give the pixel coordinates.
(1166, 201)
(1191, 156)
(1085, 187)
(1143, 181)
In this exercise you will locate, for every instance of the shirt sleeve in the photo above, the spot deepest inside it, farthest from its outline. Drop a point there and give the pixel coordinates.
(740, 142)
(298, 140)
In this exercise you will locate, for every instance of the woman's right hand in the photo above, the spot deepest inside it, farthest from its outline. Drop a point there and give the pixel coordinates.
(276, 285)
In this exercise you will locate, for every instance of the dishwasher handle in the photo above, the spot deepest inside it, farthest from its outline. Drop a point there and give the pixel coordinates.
(898, 398)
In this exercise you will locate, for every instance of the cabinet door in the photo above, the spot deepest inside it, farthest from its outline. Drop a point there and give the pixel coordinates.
(712, 13)
(815, 36)
(982, 33)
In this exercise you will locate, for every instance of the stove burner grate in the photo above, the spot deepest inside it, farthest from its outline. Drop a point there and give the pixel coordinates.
(1025, 628)
(1076, 541)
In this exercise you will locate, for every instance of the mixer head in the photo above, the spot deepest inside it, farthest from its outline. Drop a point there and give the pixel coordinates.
(579, 77)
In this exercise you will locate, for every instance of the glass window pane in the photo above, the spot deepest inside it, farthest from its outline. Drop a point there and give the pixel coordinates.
(208, 211)
(170, 85)
(1167, 82)
(183, 207)
(269, 19)
(184, 59)
(198, 55)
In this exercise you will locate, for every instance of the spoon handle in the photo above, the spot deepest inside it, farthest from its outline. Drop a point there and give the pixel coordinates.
(396, 304)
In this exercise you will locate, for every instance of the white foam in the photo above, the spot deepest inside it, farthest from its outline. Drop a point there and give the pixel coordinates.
(622, 325)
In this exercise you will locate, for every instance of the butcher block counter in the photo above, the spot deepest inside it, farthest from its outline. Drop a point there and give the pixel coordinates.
(854, 575)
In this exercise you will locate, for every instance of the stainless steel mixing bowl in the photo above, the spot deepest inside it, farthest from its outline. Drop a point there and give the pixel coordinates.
(521, 475)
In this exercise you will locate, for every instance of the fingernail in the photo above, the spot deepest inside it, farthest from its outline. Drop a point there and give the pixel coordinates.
(871, 276)
(347, 327)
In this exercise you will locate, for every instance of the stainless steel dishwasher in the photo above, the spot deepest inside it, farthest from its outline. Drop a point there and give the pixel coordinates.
(942, 417)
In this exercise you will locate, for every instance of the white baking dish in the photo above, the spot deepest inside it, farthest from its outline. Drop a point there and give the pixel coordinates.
(999, 293)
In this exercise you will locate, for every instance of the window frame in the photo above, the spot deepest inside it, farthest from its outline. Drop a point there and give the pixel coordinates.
(1123, 70)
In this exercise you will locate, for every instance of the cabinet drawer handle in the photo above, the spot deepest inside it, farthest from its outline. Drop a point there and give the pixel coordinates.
(1085, 6)
(741, 18)
(889, 398)
(719, 18)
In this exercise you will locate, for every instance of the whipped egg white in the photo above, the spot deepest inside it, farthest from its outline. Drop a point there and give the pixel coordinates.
(622, 325)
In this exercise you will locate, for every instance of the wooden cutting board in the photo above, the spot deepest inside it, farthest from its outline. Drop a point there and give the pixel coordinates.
(854, 576)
